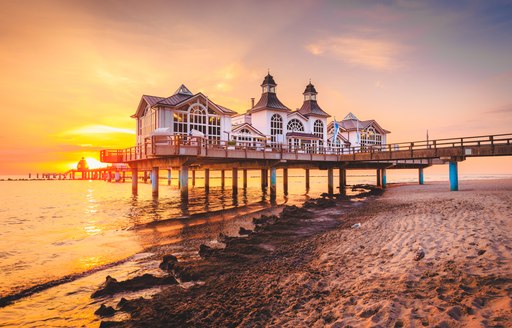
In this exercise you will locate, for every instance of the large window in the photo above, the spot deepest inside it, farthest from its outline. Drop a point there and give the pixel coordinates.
(197, 117)
(276, 127)
(370, 137)
(295, 126)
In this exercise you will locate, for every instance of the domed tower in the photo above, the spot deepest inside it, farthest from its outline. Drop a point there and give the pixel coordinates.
(310, 105)
(82, 165)
(269, 100)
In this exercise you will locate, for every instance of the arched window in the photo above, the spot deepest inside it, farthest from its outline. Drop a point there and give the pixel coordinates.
(276, 127)
(245, 131)
(198, 119)
(294, 125)
(318, 129)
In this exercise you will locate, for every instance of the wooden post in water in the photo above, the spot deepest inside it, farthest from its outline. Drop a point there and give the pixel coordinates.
(307, 180)
(383, 178)
(135, 180)
(184, 182)
(154, 181)
(273, 178)
(207, 180)
(420, 175)
(124, 176)
(244, 175)
(330, 181)
(454, 176)
(285, 181)
(234, 180)
(222, 178)
(179, 179)
(145, 176)
(168, 177)
(193, 178)
(379, 181)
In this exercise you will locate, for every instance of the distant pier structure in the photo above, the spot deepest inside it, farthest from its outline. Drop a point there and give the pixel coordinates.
(186, 133)
(115, 172)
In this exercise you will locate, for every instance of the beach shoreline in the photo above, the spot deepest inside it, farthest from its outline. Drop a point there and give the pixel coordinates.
(423, 256)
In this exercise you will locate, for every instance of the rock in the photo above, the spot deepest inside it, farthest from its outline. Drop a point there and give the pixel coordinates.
(244, 231)
(112, 286)
(481, 252)
(420, 253)
(168, 262)
(109, 324)
(294, 212)
(205, 251)
(356, 226)
(105, 311)
(264, 219)
(129, 305)
(319, 203)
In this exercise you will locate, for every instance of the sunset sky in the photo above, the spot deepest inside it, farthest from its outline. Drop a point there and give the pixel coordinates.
(72, 72)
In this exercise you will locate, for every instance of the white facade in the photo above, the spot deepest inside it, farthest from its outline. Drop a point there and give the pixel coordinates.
(183, 114)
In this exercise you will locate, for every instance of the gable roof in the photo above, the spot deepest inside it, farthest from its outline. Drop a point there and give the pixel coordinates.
(248, 127)
(181, 95)
(297, 113)
(354, 125)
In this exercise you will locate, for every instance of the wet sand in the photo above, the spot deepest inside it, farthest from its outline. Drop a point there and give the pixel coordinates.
(423, 256)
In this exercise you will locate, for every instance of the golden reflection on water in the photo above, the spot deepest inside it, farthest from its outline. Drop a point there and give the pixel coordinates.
(90, 262)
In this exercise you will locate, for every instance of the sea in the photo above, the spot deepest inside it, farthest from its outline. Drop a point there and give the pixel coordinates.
(59, 239)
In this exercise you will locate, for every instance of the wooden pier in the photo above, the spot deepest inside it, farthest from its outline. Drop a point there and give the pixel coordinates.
(185, 153)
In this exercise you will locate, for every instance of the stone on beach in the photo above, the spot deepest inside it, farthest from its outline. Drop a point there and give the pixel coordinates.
(112, 286)
(168, 262)
(420, 253)
(244, 232)
(105, 311)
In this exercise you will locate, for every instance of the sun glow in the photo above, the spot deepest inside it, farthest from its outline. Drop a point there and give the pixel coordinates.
(94, 163)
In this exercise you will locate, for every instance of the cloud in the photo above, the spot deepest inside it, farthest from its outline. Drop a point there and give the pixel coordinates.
(98, 129)
(501, 110)
(365, 52)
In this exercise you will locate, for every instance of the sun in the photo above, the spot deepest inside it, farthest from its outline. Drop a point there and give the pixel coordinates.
(94, 163)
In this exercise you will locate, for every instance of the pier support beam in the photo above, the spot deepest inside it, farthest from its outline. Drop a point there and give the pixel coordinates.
(454, 176)
(383, 178)
(193, 178)
(264, 176)
(168, 177)
(285, 181)
(330, 181)
(343, 180)
(184, 182)
(207, 180)
(234, 180)
(420, 175)
(379, 180)
(135, 181)
(244, 175)
(307, 180)
(145, 176)
(124, 176)
(154, 181)
(222, 178)
(273, 178)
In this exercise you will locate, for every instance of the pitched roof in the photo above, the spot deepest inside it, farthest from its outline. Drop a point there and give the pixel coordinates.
(310, 107)
(248, 127)
(270, 101)
(353, 125)
(310, 88)
(181, 95)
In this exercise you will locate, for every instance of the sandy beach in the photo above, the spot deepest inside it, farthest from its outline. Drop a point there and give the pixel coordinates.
(423, 256)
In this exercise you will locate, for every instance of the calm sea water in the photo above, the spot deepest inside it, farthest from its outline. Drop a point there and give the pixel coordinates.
(85, 230)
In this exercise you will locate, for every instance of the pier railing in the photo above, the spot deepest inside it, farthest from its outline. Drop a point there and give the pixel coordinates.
(158, 146)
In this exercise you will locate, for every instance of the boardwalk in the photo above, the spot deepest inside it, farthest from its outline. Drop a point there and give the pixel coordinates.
(184, 153)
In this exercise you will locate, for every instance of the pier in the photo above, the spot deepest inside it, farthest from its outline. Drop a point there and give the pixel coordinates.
(182, 154)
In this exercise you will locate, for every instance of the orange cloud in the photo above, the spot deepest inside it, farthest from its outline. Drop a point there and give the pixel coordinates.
(363, 52)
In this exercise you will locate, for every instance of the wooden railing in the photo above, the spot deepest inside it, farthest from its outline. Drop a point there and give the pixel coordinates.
(176, 145)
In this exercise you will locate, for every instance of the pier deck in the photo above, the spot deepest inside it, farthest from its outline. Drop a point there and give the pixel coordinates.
(187, 152)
